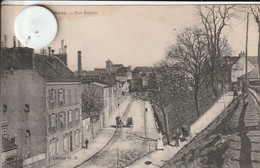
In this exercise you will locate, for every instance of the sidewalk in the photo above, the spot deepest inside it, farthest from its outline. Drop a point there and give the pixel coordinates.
(74, 159)
(157, 158)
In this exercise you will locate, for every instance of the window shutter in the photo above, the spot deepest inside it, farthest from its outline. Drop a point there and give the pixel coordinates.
(56, 121)
(55, 97)
(59, 124)
(73, 116)
(48, 98)
(64, 97)
(68, 118)
(49, 123)
(59, 97)
(58, 146)
(64, 117)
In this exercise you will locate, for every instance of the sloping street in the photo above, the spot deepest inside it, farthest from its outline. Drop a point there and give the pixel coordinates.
(128, 143)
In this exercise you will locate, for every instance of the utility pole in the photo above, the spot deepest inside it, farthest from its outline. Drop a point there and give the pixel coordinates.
(145, 111)
(117, 157)
(247, 24)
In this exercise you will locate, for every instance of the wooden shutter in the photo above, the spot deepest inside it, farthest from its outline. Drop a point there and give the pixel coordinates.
(58, 146)
(49, 123)
(56, 121)
(55, 98)
(64, 97)
(58, 118)
(68, 118)
(64, 116)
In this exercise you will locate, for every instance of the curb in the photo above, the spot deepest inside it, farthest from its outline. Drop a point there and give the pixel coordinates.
(110, 138)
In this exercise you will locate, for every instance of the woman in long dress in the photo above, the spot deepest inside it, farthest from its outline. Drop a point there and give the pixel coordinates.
(160, 141)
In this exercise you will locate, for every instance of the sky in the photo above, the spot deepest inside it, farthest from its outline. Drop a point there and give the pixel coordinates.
(128, 35)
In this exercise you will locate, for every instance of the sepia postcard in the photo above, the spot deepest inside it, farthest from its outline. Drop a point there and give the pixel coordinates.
(133, 85)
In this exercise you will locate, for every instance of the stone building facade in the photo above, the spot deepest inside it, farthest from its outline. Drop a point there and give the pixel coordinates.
(41, 105)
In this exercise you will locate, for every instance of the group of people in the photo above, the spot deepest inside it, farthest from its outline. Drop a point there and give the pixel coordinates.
(179, 135)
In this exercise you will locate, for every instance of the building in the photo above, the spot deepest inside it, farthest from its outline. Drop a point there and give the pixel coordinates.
(41, 105)
(112, 68)
(125, 87)
(253, 78)
(140, 78)
(124, 74)
(9, 154)
(101, 98)
(239, 66)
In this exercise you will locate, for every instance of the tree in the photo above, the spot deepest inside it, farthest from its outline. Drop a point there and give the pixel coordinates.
(214, 19)
(186, 62)
(255, 9)
(159, 94)
(92, 102)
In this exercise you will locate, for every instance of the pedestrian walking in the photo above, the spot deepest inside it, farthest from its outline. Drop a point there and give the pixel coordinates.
(160, 141)
(177, 139)
(86, 143)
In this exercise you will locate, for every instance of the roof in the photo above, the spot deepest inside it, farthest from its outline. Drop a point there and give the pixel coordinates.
(51, 69)
(100, 84)
(107, 78)
(20, 58)
(253, 59)
(143, 69)
(123, 70)
(7, 145)
(99, 70)
(117, 65)
(251, 75)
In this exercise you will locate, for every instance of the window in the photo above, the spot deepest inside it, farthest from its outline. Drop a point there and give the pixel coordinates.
(4, 108)
(26, 108)
(77, 115)
(62, 120)
(61, 97)
(52, 122)
(69, 96)
(77, 137)
(70, 117)
(65, 142)
(52, 98)
(27, 135)
(54, 147)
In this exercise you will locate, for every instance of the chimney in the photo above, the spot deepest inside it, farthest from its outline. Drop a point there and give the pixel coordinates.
(33, 60)
(14, 41)
(79, 63)
(19, 43)
(5, 41)
(62, 46)
(49, 48)
(52, 53)
(65, 47)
